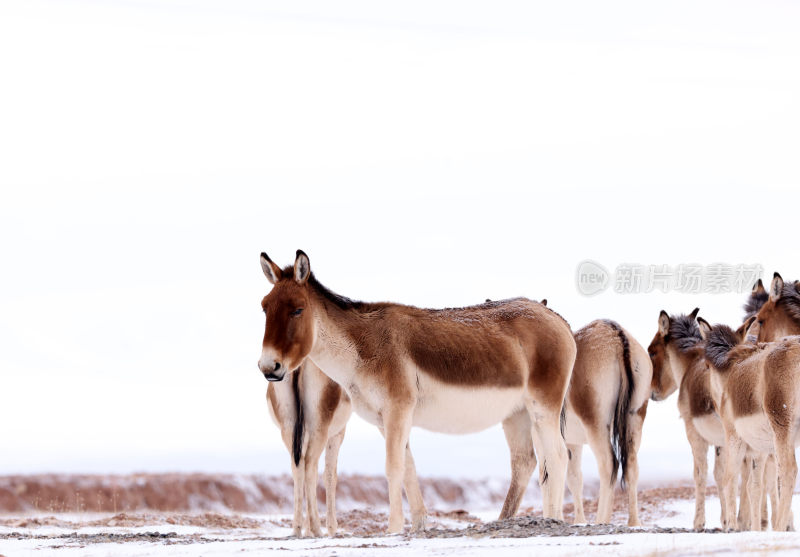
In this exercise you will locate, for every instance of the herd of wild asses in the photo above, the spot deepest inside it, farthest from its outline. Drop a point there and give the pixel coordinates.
(517, 362)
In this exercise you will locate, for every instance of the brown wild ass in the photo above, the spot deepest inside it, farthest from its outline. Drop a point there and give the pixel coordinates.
(779, 314)
(677, 352)
(312, 412)
(679, 363)
(760, 408)
(447, 370)
(606, 405)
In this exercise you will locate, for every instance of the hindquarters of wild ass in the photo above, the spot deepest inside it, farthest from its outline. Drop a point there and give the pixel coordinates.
(447, 370)
(760, 408)
(312, 412)
(606, 405)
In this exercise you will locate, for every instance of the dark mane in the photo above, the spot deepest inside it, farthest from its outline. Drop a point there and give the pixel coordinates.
(683, 330)
(721, 340)
(342, 302)
(754, 302)
(790, 301)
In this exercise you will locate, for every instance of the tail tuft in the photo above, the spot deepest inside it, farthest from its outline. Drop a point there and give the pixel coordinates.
(619, 434)
(297, 438)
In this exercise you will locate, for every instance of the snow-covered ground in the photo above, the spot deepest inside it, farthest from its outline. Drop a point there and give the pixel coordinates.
(212, 534)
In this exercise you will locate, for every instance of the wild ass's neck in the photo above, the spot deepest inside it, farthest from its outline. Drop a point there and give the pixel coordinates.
(334, 351)
(680, 361)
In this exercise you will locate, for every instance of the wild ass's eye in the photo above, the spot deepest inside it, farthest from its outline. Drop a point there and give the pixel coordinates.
(296, 312)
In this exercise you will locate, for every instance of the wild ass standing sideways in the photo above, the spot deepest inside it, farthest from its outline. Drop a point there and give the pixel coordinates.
(679, 362)
(312, 412)
(447, 370)
(606, 406)
(760, 409)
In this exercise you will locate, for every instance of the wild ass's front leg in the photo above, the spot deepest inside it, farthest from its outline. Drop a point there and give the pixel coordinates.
(316, 444)
(298, 475)
(517, 429)
(397, 425)
(331, 477)
(699, 448)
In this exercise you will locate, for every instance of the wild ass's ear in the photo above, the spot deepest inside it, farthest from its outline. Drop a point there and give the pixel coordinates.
(271, 271)
(663, 323)
(544, 301)
(694, 313)
(758, 287)
(705, 328)
(302, 267)
(752, 328)
(776, 287)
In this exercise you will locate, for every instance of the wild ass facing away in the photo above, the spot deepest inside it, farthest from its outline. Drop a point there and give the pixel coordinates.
(760, 408)
(312, 412)
(450, 370)
(606, 405)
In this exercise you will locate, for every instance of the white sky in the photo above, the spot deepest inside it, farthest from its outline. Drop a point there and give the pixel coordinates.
(433, 153)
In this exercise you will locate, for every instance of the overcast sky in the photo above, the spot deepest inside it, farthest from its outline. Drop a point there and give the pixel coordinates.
(432, 153)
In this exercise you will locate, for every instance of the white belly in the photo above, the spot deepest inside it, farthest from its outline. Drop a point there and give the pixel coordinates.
(710, 428)
(450, 409)
(756, 432)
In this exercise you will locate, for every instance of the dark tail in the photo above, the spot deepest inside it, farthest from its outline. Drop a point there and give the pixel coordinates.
(563, 419)
(619, 433)
(297, 439)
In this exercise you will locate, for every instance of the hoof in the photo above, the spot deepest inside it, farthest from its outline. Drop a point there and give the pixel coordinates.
(332, 528)
(394, 528)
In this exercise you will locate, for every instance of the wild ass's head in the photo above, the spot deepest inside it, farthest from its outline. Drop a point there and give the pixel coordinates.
(779, 316)
(675, 336)
(289, 331)
(724, 347)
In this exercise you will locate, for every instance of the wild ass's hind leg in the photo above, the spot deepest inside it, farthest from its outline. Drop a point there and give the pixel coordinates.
(397, 425)
(552, 450)
(755, 487)
(414, 493)
(517, 429)
(787, 476)
(771, 491)
(743, 518)
(734, 453)
(635, 424)
(331, 478)
(699, 448)
(600, 442)
(575, 481)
